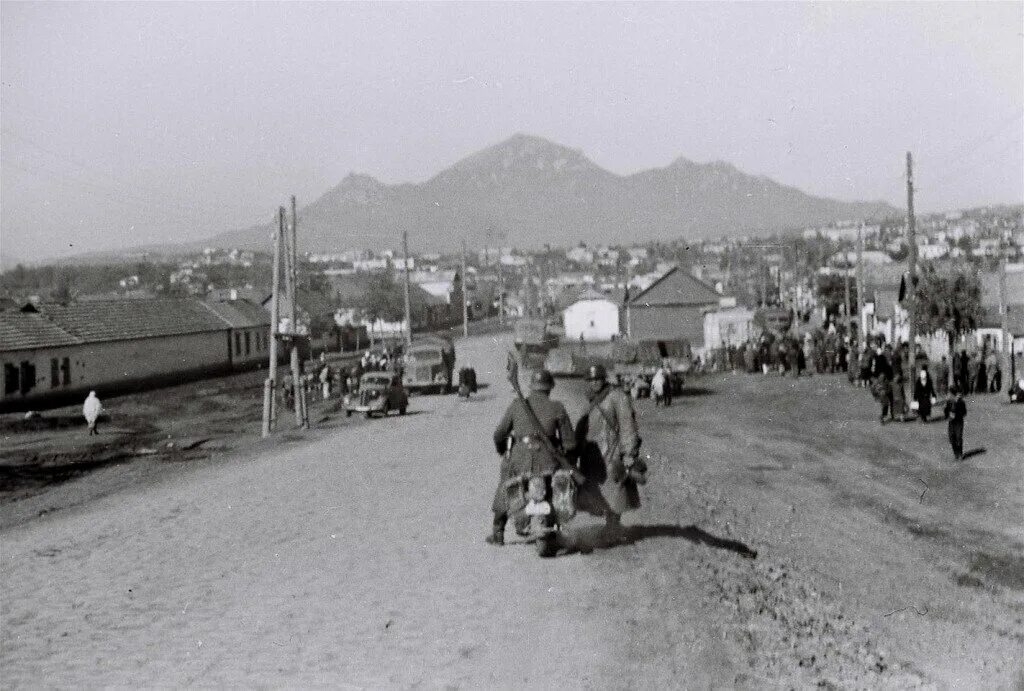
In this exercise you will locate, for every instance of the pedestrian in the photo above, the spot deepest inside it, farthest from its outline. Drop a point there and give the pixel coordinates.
(881, 374)
(992, 371)
(899, 396)
(924, 394)
(658, 387)
(608, 445)
(964, 373)
(524, 420)
(979, 377)
(942, 377)
(325, 381)
(91, 410)
(955, 412)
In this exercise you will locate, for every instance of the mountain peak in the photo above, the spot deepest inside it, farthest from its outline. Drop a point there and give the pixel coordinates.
(526, 152)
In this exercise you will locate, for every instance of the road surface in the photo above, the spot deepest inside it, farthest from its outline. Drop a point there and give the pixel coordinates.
(357, 561)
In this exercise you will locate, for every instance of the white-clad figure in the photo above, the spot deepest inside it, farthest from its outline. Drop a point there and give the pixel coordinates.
(91, 410)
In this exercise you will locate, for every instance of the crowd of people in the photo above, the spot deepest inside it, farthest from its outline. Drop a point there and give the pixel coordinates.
(878, 366)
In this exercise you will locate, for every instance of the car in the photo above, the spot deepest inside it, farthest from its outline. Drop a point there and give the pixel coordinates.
(379, 392)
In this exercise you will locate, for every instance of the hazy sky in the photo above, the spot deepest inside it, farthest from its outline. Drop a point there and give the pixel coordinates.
(126, 123)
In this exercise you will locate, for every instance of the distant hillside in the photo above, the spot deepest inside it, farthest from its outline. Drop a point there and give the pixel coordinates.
(531, 191)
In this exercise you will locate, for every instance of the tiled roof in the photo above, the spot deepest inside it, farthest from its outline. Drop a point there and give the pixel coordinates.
(21, 331)
(239, 314)
(677, 287)
(115, 320)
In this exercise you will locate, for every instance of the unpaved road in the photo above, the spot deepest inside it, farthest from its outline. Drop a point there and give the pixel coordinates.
(357, 560)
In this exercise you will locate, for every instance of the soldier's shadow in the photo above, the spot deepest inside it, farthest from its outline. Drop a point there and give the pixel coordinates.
(595, 537)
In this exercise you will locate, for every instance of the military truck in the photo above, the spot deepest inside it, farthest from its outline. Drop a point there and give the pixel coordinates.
(428, 365)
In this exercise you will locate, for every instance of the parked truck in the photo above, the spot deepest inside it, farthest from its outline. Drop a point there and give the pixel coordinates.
(429, 364)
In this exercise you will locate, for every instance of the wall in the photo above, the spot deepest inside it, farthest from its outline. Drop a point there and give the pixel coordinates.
(116, 366)
(595, 320)
(664, 323)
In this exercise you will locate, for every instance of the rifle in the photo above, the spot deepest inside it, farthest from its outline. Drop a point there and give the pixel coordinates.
(512, 366)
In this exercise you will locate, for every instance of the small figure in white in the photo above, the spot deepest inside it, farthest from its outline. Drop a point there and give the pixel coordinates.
(91, 410)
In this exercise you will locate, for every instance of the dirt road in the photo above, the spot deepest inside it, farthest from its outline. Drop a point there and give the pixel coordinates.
(357, 561)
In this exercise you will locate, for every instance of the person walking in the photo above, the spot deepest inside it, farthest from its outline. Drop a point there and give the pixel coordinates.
(524, 420)
(658, 387)
(91, 411)
(924, 394)
(942, 377)
(881, 374)
(898, 396)
(608, 444)
(955, 412)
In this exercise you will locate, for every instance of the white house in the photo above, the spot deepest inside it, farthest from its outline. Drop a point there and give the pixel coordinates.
(593, 317)
(729, 326)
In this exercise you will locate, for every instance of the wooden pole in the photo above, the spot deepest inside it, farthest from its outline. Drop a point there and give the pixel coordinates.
(1005, 339)
(912, 276)
(861, 327)
(465, 304)
(408, 308)
(270, 386)
(297, 383)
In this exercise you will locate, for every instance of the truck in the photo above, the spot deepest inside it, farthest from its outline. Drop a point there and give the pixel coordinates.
(533, 340)
(428, 365)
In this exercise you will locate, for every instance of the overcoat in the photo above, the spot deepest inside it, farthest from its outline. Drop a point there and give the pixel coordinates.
(528, 454)
(604, 437)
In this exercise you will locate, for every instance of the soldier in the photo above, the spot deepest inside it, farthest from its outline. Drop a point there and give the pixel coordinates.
(881, 376)
(607, 438)
(528, 453)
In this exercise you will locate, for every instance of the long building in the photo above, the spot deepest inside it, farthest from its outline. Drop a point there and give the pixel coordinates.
(54, 354)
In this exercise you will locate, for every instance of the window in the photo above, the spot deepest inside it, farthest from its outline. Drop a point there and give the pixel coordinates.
(28, 377)
(12, 381)
(248, 344)
(54, 373)
(65, 371)
(238, 343)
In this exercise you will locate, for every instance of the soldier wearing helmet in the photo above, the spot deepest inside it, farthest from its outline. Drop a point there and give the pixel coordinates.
(528, 454)
(608, 445)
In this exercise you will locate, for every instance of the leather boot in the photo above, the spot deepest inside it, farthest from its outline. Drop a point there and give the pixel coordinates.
(497, 536)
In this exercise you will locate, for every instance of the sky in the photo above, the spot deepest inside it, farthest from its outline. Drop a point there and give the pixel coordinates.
(132, 123)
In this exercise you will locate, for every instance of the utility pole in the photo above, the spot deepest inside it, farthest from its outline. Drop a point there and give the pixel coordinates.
(465, 304)
(501, 289)
(301, 414)
(912, 278)
(846, 302)
(861, 326)
(270, 385)
(1006, 365)
(408, 309)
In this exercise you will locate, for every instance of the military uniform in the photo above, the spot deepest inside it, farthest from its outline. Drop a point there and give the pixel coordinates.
(607, 439)
(529, 453)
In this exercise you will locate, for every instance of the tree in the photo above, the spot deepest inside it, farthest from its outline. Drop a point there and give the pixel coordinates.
(383, 298)
(831, 292)
(948, 302)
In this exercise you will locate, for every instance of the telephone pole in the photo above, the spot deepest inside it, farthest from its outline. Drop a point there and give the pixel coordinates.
(465, 304)
(1006, 365)
(861, 327)
(408, 309)
(912, 277)
(270, 385)
(301, 414)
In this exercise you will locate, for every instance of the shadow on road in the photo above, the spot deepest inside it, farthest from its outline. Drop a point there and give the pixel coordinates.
(588, 539)
(974, 452)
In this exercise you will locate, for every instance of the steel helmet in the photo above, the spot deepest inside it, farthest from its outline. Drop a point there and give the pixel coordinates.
(542, 381)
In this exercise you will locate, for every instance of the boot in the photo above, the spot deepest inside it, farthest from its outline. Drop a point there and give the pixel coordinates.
(497, 536)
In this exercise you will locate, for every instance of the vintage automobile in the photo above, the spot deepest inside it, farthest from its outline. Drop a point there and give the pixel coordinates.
(429, 364)
(379, 392)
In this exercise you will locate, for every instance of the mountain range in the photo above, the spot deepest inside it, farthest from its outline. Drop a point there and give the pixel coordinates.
(527, 191)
